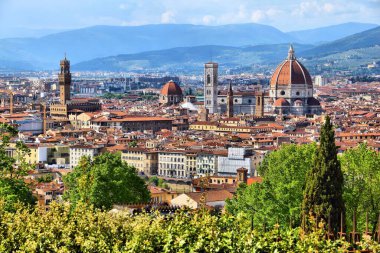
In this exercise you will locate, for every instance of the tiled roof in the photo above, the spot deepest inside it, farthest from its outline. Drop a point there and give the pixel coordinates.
(211, 196)
(253, 180)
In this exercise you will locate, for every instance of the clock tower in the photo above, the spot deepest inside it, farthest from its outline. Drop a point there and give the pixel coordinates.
(64, 79)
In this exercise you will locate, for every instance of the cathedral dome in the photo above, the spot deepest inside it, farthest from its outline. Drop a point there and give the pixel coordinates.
(290, 71)
(171, 88)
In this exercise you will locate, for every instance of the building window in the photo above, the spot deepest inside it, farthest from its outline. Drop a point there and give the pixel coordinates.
(297, 93)
(282, 92)
(236, 100)
(208, 79)
(249, 101)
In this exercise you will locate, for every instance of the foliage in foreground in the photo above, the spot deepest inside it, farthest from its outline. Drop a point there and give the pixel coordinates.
(361, 169)
(12, 168)
(83, 229)
(278, 198)
(105, 181)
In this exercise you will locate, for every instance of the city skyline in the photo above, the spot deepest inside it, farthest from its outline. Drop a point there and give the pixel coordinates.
(25, 18)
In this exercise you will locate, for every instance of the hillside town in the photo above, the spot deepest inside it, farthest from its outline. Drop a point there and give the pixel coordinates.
(181, 130)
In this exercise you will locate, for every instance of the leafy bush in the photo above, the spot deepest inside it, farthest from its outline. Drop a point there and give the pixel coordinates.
(85, 229)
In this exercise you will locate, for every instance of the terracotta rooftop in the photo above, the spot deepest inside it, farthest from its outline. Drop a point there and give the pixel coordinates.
(211, 196)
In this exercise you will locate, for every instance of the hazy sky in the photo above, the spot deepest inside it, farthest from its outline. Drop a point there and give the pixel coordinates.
(286, 15)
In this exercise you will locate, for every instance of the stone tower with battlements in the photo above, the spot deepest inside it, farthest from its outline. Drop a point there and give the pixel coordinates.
(64, 79)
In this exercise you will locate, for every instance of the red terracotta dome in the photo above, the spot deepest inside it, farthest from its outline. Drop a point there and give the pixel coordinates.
(171, 88)
(290, 71)
(281, 102)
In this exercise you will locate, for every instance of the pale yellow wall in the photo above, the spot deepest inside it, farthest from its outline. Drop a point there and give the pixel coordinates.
(184, 200)
(144, 162)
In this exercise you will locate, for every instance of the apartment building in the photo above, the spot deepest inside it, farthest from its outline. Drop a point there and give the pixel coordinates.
(77, 151)
(207, 163)
(143, 159)
(172, 163)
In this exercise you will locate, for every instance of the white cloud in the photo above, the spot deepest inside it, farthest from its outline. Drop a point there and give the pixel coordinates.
(273, 13)
(242, 14)
(257, 16)
(328, 7)
(265, 15)
(285, 15)
(208, 19)
(168, 17)
(317, 8)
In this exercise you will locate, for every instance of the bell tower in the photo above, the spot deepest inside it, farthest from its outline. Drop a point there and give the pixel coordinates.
(259, 109)
(211, 87)
(64, 79)
(230, 101)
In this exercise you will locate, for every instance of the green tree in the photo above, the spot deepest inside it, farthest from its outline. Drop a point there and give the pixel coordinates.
(280, 194)
(153, 180)
(105, 181)
(45, 179)
(132, 144)
(158, 182)
(361, 172)
(12, 169)
(324, 186)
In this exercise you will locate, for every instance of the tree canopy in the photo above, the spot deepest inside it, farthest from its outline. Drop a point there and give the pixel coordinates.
(13, 189)
(104, 181)
(279, 196)
(361, 169)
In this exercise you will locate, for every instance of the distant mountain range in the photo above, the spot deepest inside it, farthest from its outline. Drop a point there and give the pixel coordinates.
(364, 39)
(190, 58)
(194, 57)
(142, 46)
(330, 33)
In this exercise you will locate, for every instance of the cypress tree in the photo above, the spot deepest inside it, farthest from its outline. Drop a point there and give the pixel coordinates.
(324, 183)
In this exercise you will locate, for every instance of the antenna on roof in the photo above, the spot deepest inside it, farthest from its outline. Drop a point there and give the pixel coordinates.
(211, 54)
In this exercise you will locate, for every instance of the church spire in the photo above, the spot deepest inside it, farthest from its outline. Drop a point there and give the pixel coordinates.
(291, 53)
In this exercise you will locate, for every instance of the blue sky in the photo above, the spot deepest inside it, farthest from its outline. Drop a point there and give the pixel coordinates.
(19, 16)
